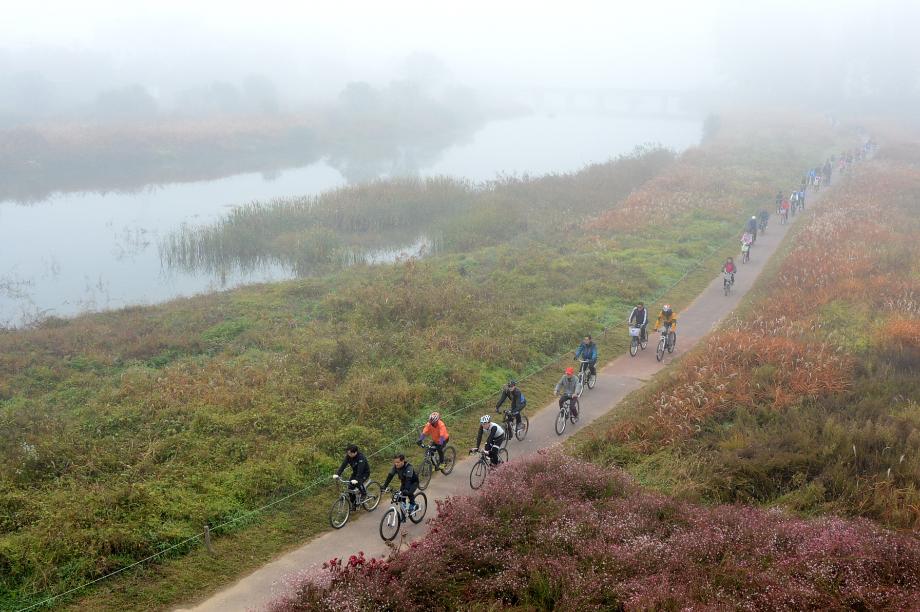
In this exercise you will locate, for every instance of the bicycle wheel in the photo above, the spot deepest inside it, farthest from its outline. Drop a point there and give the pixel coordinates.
(373, 496)
(450, 458)
(508, 428)
(521, 431)
(389, 525)
(644, 342)
(503, 455)
(478, 474)
(561, 420)
(421, 501)
(672, 341)
(592, 380)
(424, 474)
(726, 287)
(634, 346)
(574, 412)
(341, 510)
(659, 352)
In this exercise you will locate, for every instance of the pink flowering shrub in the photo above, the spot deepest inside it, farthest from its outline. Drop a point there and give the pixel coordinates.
(556, 533)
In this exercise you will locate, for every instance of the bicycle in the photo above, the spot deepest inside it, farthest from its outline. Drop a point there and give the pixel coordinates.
(399, 513)
(637, 340)
(349, 501)
(667, 342)
(727, 282)
(592, 379)
(520, 432)
(430, 464)
(483, 465)
(567, 412)
(745, 253)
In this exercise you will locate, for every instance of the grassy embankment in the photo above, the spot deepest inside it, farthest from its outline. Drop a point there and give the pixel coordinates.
(126, 430)
(808, 399)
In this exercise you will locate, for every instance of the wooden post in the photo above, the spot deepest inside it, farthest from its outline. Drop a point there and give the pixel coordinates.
(207, 540)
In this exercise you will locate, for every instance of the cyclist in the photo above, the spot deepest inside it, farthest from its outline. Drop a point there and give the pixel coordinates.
(730, 268)
(495, 439)
(639, 318)
(802, 199)
(587, 350)
(764, 219)
(668, 318)
(751, 228)
(570, 388)
(437, 431)
(779, 198)
(518, 402)
(784, 210)
(408, 479)
(360, 468)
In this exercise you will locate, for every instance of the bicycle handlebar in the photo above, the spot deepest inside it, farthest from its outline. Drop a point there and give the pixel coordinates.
(339, 478)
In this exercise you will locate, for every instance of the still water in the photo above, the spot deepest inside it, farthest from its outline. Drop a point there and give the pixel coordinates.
(94, 251)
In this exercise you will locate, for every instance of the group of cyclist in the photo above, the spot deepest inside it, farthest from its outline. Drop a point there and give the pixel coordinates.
(788, 205)
(570, 384)
(491, 433)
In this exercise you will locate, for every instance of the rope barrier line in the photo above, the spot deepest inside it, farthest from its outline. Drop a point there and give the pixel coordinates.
(553, 360)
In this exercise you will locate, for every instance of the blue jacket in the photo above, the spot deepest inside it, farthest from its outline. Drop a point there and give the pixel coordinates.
(588, 352)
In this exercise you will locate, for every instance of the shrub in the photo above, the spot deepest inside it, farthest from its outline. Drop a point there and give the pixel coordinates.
(555, 533)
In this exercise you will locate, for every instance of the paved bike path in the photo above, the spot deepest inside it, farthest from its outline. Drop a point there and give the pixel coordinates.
(614, 382)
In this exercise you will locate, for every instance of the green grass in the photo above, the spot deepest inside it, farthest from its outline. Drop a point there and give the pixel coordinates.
(123, 432)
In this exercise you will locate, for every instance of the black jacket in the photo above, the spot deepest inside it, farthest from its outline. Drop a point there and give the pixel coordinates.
(360, 468)
(408, 477)
(514, 396)
(638, 317)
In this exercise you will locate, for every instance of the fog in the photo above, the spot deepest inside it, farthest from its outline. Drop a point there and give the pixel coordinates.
(122, 122)
(103, 60)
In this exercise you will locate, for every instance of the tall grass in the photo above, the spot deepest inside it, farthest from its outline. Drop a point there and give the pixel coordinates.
(809, 398)
(338, 227)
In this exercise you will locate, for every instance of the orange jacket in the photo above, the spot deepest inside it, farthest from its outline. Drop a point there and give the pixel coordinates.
(438, 433)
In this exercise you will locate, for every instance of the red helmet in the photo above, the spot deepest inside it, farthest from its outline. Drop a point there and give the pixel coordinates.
(569, 371)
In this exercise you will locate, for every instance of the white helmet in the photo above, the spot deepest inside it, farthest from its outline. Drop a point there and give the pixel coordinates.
(754, 217)
(485, 419)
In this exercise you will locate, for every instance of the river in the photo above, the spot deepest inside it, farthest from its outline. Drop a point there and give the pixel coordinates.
(78, 252)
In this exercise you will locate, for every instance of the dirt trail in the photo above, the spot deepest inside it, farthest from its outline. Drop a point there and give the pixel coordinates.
(615, 380)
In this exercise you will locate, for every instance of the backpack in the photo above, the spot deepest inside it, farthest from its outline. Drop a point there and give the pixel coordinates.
(523, 400)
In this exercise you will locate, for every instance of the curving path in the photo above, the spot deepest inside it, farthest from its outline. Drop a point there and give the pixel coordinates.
(614, 381)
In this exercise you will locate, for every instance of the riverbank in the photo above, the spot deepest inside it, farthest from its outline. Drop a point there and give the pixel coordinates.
(88, 252)
(821, 350)
(199, 410)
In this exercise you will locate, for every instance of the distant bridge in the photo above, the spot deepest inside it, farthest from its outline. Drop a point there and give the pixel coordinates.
(611, 101)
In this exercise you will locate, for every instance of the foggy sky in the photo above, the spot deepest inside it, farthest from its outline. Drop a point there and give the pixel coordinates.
(312, 50)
